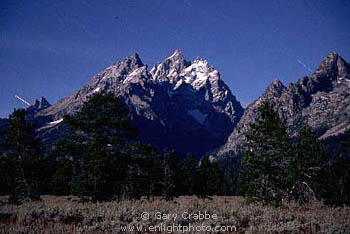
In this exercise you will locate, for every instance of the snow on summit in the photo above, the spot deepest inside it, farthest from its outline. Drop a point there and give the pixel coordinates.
(199, 72)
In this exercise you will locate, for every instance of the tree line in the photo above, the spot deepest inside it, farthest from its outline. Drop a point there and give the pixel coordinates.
(277, 167)
(101, 160)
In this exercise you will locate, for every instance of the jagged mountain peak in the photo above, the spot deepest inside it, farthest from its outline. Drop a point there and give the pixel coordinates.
(176, 70)
(118, 71)
(177, 55)
(129, 70)
(333, 54)
(199, 72)
(199, 62)
(320, 101)
(277, 81)
(329, 61)
(134, 59)
(127, 65)
(333, 65)
(201, 65)
(196, 75)
(178, 104)
(277, 84)
(39, 104)
(170, 69)
(275, 88)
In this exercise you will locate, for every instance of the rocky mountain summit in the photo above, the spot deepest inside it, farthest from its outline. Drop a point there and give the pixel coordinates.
(177, 104)
(39, 104)
(184, 105)
(321, 100)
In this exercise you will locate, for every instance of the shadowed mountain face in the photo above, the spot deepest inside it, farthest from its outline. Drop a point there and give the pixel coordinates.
(321, 100)
(177, 104)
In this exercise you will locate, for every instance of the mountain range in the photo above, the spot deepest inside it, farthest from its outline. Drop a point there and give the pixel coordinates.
(178, 104)
(185, 105)
(321, 101)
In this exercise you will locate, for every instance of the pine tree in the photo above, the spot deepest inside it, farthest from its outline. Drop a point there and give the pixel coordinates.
(68, 158)
(24, 153)
(335, 180)
(263, 173)
(227, 188)
(171, 180)
(188, 175)
(102, 130)
(304, 166)
(345, 143)
(210, 178)
(145, 174)
(7, 175)
(103, 117)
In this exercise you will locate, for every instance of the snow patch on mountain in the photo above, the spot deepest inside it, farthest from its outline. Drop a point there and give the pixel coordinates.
(97, 90)
(161, 102)
(136, 72)
(176, 53)
(171, 92)
(178, 84)
(198, 73)
(198, 115)
(56, 122)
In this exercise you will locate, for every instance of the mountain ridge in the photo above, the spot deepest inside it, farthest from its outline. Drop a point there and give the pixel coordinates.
(177, 104)
(184, 104)
(319, 100)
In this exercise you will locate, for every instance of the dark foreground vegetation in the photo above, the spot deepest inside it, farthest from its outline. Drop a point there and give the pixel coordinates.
(64, 215)
(102, 162)
(277, 167)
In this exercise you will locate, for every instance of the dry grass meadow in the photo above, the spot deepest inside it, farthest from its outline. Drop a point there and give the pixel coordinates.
(67, 215)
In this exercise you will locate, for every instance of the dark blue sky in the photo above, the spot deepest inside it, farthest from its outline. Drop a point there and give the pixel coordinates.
(51, 48)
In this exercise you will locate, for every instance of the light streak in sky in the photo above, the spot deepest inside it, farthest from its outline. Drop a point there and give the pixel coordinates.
(22, 100)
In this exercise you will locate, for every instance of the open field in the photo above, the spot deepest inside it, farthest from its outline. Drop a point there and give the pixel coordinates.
(65, 215)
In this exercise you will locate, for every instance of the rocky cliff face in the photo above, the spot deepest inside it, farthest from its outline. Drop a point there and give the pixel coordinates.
(321, 100)
(39, 104)
(177, 104)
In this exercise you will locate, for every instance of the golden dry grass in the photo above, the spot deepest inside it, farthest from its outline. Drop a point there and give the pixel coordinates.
(66, 215)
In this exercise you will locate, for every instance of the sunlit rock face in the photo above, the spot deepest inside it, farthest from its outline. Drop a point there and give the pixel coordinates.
(178, 104)
(320, 100)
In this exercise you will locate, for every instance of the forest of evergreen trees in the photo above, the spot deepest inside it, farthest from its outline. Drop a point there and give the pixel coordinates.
(102, 160)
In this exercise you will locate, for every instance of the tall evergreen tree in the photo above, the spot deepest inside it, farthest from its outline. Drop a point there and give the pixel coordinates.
(304, 165)
(23, 152)
(210, 178)
(228, 186)
(335, 180)
(7, 173)
(144, 174)
(103, 117)
(188, 175)
(263, 176)
(67, 160)
(102, 127)
(172, 180)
